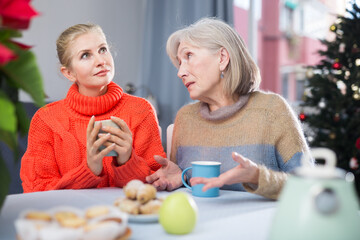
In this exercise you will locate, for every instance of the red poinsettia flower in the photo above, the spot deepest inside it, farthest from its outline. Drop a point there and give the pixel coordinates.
(16, 13)
(357, 144)
(6, 55)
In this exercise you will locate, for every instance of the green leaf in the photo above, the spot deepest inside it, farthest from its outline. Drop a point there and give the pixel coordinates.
(23, 120)
(7, 33)
(10, 139)
(4, 180)
(25, 73)
(8, 120)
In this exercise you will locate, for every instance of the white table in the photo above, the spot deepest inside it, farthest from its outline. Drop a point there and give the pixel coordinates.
(232, 215)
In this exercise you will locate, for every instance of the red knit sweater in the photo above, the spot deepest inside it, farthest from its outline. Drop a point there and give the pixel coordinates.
(56, 154)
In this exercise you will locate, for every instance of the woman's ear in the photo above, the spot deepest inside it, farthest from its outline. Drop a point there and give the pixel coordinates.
(68, 74)
(224, 59)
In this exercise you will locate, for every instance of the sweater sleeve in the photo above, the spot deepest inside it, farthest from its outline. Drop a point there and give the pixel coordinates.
(146, 144)
(270, 183)
(290, 142)
(40, 169)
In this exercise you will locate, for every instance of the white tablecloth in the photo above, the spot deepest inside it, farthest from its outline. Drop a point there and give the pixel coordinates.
(232, 215)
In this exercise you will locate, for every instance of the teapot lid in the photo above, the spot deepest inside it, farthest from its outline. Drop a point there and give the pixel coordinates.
(328, 170)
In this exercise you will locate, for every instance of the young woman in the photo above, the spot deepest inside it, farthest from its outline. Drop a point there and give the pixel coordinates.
(64, 145)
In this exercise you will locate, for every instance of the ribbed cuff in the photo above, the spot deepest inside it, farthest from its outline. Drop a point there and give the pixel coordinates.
(83, 177)
(135, 168)
(270, 183)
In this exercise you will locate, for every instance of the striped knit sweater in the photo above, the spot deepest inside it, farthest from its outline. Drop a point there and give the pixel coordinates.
(56, 154)
(263, 129)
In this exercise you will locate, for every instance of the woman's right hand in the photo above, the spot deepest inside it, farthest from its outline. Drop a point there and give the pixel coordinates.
(94, 155)
(168, 177)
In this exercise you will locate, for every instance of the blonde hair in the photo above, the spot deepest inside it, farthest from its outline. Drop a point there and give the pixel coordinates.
(68, 36)
(242, 75)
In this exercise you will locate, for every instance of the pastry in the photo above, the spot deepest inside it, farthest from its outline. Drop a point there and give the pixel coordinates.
(132, 188)
(128, 205)
(38, 215)
(75, 222)
(60, 216)
(151, 207)
(96, 211)
(69, 219)
(145, 193)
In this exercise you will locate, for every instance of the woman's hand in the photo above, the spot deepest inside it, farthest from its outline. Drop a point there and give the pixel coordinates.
(246, 172)
(93, 154)
(122, 138)
(168, 177)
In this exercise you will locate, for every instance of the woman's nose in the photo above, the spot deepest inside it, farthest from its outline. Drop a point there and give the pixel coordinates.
(100, 61)
(182, 72)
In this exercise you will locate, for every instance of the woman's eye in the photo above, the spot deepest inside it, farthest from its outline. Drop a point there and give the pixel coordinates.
(189, 55)
(103, 50)
(84, 55)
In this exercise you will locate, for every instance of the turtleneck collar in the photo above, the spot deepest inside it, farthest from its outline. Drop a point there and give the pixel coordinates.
(93, 105)
(223, 112)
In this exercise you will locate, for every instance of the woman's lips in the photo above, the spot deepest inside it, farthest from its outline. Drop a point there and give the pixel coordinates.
(102, 73)
(187, 85)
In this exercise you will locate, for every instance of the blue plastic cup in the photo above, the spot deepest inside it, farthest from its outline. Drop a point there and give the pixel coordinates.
(204, 169)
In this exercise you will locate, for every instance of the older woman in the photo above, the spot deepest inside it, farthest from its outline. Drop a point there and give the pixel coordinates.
(231, 116)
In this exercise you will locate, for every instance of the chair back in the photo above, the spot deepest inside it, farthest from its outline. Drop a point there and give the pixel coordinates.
(169, 133)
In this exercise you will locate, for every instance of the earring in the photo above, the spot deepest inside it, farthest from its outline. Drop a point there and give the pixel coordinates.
(222, 75)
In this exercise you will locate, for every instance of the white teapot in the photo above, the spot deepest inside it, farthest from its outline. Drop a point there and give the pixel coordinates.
(318, 203)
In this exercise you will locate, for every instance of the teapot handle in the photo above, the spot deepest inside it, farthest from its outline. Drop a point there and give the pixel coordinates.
(324, 153)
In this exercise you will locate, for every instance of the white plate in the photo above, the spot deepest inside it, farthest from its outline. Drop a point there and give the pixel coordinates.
(145, 218)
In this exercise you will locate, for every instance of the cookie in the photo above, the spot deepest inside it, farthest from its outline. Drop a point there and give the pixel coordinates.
(38, 215)
(96, 211)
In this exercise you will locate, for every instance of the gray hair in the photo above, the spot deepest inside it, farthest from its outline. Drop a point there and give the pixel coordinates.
(242, 75)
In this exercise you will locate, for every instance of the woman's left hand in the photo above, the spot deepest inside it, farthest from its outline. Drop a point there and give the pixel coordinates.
(122, 137)
(246, 172)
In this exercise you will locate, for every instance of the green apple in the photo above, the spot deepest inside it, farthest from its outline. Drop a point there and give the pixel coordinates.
(178, 213)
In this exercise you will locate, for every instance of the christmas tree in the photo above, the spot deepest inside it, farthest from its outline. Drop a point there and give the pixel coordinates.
(331, 105)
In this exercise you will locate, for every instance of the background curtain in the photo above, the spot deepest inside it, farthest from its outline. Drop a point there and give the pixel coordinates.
(159, 76)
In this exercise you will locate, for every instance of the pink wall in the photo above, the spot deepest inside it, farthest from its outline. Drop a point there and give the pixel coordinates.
(270, 46)
(274, 49)
(310, 47)
(241, 20)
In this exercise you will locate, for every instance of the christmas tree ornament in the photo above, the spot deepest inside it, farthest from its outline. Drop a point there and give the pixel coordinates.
(337, 65)
(309, 73)
(322, 103)
(337, 72)
(302, 116)
(307, 92)
(333, 28)
(354, 163)
(356, 96)
(339, 32)
(354, 87)
(347, 74)
(357, 62)
(332, 136)
(336, 117)
(341, 86)
(357, 143)
(342, 47)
